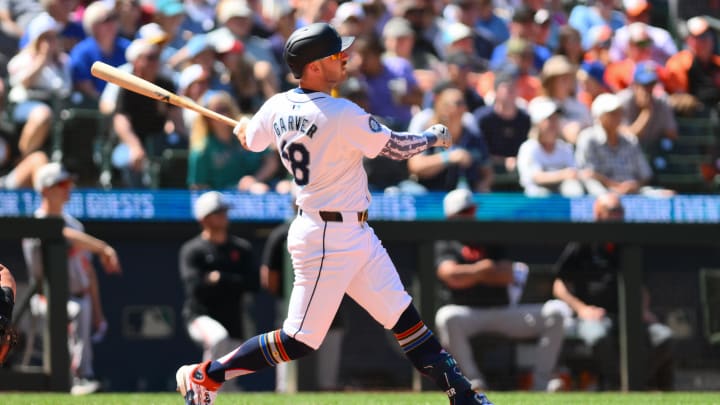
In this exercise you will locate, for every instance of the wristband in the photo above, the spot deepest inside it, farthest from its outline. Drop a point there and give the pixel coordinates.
(445, 156)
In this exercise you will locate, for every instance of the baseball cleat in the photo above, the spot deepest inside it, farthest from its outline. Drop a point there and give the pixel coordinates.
(472, 398)
(195, 386)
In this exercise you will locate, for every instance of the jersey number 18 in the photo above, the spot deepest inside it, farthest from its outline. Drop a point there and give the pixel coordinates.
(299, 158)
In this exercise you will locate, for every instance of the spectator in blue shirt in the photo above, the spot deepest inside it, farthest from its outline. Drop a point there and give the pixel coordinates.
(597, 12)
(102, 44)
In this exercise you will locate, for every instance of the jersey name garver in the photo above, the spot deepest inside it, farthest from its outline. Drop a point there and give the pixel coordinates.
(294, 123)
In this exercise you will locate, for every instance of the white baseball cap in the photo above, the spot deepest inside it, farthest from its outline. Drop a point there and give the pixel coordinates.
(41, 24)
(189, 75)
(541, 108)
(208, 203)
(230, 9)
(153, 33)
(456, 201)
(455, 32)
(348, 10)
(605, 103)
(49, 175)
(139, 47)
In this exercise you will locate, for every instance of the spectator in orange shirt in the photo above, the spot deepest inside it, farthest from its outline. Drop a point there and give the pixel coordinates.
(696, 70)
(619, 75)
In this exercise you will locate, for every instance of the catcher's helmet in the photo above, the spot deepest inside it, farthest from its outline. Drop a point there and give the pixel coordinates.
(313, 42)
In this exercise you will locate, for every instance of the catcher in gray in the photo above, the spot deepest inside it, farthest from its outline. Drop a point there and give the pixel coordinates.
(8, 338)
(334, 251)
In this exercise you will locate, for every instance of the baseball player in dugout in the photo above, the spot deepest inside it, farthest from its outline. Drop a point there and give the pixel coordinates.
(54, 184)
(322, 141)
(216, 269)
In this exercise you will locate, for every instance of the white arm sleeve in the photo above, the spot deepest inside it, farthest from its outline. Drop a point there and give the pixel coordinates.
(258, 135)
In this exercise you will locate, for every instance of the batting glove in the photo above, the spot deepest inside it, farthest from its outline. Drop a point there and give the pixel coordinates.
(440, 134)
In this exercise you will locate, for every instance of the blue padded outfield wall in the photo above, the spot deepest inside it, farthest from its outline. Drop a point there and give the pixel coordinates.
(175, 205)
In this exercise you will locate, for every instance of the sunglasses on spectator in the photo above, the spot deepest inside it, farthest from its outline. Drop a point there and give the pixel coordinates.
(643, 44)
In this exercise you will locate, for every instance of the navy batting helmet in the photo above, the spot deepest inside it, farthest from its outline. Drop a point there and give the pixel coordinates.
(313, 42)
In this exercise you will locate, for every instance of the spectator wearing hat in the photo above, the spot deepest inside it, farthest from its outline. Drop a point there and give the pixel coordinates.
(649, 117)
(193, 84)
(143, 125)
(695, 71)
(559, 85)
(70, 31)
(466, 163)
(217, 270)
(462, 72)
(169, 15)
(425, 21)
(546, 164)
(468, 14)
(39, 77)
(349, 20)
(522, 27)
(503, 124)
(217, 160)
(151, 34)
(613, 157)
(597, 44)
(201, 50)
(54, 184)
(591, 82)
(102, 44)
(483, 287)
(237, 18)
(249, 81)
(520, 58)
(584, 17)
(619, 74)
(399, 40)
(662, 44)
(398, 37)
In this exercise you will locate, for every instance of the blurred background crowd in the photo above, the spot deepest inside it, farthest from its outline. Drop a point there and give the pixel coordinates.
(541, 96)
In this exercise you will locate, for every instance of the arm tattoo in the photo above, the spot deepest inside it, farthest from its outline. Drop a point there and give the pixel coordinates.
(404, 145)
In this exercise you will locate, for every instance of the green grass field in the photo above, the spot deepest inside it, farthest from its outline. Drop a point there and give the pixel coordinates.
(370, 398)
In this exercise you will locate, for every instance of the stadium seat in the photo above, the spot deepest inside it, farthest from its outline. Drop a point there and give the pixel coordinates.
(78, 135)
(687, 164)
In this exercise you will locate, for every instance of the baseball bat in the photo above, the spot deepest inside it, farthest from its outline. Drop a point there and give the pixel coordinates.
(141, 86)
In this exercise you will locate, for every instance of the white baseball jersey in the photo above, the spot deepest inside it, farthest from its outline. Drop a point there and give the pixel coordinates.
(322, 140)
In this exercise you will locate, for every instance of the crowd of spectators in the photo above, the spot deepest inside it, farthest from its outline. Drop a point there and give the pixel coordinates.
(521, 85)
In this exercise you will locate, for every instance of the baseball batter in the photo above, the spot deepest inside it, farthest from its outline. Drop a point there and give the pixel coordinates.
(322, 141)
